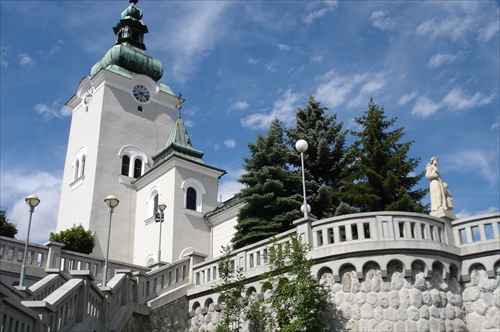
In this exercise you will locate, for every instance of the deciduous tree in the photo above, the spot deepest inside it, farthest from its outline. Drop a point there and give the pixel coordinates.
(6, 228)
(75, 238)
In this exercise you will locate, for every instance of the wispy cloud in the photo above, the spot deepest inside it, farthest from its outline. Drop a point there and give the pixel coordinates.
(326, 7)
(52, 111)
(26, 61)
(481, 163)
(455, 28)
(457, 99)
(229, 143)
(201, 29)
(239, 105)
(284, 109)
(442, 58)
(52, 51)
(316, 58)
(380, 20)
(283, 47)
(3, 56)
(490, 31)
(354, 90)
(425, 107)
(407, 98)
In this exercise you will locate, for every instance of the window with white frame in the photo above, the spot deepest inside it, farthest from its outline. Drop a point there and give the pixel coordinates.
(79, 164)
(193, 194)
(152, 202)
(133, 161)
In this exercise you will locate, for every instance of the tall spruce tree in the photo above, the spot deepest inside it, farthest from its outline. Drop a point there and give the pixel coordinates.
(325, 158)
(271, 196)
(380, 178)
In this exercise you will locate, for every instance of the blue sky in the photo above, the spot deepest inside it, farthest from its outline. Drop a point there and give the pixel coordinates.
(434, 65)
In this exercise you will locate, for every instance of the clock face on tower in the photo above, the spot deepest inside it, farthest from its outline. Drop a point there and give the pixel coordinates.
(141, 93)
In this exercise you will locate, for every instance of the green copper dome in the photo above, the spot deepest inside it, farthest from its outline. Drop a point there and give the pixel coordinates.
(128, 52)
(132, 59)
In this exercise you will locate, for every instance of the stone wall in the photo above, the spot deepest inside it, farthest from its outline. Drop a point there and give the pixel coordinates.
(481, 299)
(400, 303)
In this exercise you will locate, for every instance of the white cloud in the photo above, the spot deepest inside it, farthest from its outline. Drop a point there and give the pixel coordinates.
(284, 109)
(252, 61)
(230, 143)
(189, 123)
(227, 189)
(407, 98)
(53, 111)
(314, 15)
(271, 66)
(487, 33)
(239, 105)
(283, 47)
(316, 59)
(25, 60)
(198, 31)
(425, 107)
(480, 163)
(381, 21)
(442, 58)
(454, 28)
(354, 89)
(15, 186)
(457, 99)
(54, 50)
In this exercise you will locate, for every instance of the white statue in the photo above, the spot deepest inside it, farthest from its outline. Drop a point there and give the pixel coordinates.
(440, 196)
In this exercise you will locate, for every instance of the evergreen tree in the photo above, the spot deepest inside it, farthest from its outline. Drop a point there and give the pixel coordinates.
(380, 178)
(75, 239)
(6, 228)
(271, 196)
(325, 158)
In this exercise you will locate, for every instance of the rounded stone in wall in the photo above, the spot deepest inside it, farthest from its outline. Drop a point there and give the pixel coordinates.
(470, 294)
(394, 300)
(416, 298)
(339, 298)
(399, 326)
(386, 326)
(423, 325)
(378, 314)
(372, 299)
(413, 313)
(360, 298)
(402, 314)
(383, 300)
(480, 306)
(404, 297)
(397, 281)
(366, 311)
(355, 312)
(435, 297)
(376, 284)
(492, 318)
(424, 312)
(474, 321)
(450, 311)
(410, 325)
(345, 308)
(391, 314)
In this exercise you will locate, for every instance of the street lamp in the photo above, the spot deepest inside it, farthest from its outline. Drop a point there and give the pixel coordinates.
(32, 201)
(160, 218)
(302, 146)
(112, 202)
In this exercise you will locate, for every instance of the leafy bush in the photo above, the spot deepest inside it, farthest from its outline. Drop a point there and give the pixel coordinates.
(75, 238)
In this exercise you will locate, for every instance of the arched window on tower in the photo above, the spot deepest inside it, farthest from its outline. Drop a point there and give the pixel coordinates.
(77, 169)
(137, 168)
(155, 204)
(125, 165)
(191, 198)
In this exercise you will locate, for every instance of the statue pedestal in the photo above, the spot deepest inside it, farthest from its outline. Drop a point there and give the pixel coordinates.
(445, 214)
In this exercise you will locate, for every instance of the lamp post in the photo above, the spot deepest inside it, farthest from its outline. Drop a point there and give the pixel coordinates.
(161, 208)
(32, 201)
(112, 202)
(302, 146)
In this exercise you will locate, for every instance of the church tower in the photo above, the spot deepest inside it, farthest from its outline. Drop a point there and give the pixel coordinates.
(123, 123)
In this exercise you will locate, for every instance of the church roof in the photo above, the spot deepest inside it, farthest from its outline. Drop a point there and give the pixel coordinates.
(128, 52)
(178, 144)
